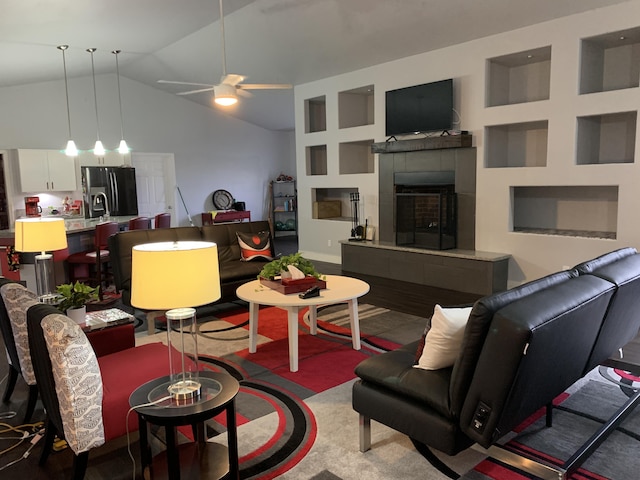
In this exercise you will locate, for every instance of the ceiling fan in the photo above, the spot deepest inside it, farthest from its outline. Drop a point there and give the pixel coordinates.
(226, 92)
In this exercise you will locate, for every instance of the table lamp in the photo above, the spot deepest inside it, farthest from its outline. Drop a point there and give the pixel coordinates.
(41, 235)
(177, 276)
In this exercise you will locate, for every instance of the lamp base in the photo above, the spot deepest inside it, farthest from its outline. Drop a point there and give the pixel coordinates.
(185, 389)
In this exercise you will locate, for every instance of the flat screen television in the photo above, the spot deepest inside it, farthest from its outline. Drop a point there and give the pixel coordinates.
(421, 108)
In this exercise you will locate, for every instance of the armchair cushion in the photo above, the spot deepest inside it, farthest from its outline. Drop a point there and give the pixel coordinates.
(78, 382)
(444, 338)
(17, 299)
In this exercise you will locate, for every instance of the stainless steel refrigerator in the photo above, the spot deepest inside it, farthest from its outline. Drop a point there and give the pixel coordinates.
(109, 190)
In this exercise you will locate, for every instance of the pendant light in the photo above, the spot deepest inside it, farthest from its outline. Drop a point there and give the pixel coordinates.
(98, 149)
(71, 149)
(123, 148)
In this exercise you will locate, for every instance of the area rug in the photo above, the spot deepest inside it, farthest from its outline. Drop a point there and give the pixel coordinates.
(575, 418)
(301, 425)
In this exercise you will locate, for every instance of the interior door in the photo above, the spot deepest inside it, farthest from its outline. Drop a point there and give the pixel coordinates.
(155, 183)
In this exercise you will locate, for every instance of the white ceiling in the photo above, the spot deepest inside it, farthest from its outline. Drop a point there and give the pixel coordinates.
(270, 41)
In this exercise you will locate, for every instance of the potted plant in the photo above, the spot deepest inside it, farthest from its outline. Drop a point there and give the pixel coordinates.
(74, 299)
(279, 266)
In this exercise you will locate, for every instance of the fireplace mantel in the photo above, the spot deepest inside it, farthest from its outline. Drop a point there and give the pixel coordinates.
(426, 143)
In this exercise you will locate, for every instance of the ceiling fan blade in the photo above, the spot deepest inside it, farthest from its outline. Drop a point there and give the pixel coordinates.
(208, 89)
(264, 86)
(232, 79)
(186, 83)
(244, 93)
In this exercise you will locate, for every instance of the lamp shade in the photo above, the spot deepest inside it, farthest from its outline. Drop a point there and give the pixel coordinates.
(168, 275)
(40, 234)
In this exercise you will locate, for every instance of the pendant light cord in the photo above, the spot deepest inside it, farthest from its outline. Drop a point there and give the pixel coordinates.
(95, 95)
(66, 86)
(116, 52)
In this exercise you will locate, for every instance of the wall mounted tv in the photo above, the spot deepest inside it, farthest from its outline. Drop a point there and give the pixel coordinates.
(421, 108)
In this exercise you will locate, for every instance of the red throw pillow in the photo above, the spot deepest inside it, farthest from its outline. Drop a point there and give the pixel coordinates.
(254, 246)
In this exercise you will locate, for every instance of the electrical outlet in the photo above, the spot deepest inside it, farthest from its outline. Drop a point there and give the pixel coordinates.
(328, 243)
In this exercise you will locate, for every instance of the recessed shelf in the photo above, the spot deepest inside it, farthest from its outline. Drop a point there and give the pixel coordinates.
(517, 145)
(519, 77)
(355, 107)
(605, 139)
(610, 61)
(332, 203)
(316, 160)
(578, 211)
(356, 157)
(315, 114)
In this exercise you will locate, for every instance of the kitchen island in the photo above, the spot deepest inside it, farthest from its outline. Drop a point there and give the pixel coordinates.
(80, 232)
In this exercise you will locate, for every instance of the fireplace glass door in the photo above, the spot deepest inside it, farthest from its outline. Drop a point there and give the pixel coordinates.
(426, 217)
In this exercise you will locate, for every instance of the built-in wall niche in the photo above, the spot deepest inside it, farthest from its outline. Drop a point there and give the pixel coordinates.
(606, 139)
(519, 77)
(316, 160)
(356, 157)
(332, 203)
(355, 107)
(517, 145)
(610, 61)
(575, 211)
(315, 114)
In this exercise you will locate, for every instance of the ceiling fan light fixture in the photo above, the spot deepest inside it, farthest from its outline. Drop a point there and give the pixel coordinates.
(225, 95)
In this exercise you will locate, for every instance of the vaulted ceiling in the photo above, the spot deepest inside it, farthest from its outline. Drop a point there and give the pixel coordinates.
(269, 41)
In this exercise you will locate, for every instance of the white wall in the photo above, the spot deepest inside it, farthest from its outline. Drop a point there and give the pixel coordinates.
(212, 150)
(533, 255)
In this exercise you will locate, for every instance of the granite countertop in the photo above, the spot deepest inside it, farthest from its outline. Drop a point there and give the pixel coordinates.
(75, 224)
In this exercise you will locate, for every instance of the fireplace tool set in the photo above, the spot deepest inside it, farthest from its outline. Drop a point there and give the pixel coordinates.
(358, 231)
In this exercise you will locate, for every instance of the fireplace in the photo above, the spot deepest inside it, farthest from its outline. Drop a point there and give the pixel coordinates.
(426, 209)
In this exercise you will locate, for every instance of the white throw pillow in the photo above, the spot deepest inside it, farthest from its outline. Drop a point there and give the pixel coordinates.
(443, 341)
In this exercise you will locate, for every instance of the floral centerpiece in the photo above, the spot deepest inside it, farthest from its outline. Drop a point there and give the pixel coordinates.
(276, 267)
(277, 274)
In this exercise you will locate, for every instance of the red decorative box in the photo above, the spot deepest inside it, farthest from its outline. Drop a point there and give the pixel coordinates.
(287, 286)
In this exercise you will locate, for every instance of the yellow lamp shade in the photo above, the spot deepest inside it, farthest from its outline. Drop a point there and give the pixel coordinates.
(168, 275)
(40, 234)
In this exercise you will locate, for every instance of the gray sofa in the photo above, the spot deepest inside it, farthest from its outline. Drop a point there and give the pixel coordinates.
(521, 349)
(233, 271)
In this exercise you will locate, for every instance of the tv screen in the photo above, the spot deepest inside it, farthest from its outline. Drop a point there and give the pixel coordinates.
(421, 108)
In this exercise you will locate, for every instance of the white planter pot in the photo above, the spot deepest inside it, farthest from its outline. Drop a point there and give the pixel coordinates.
(77, 314)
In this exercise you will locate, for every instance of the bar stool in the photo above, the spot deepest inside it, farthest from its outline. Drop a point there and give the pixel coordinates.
(80, 263)
(162, 220)
(140, 223)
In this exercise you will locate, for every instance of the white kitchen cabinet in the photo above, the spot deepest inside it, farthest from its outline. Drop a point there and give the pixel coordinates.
(110, 159)
(46, 171)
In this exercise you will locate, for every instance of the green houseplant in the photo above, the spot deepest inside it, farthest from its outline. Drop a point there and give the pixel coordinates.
(75, 295)
(279, 265)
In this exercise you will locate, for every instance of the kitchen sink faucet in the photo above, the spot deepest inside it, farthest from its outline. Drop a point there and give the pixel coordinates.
(105, 202)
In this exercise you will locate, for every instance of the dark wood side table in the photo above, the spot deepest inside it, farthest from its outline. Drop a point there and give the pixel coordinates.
(200, 459)
(224, 217)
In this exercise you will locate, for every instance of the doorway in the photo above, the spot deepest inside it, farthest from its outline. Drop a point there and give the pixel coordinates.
(155, 182)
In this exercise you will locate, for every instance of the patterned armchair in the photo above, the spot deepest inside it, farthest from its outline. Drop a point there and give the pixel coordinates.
(13, 323)
(86, 397)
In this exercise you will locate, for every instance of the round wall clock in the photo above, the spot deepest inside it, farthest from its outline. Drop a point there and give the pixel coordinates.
(222, 200)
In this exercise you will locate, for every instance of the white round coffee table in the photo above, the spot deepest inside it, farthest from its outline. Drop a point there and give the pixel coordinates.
(339, 289)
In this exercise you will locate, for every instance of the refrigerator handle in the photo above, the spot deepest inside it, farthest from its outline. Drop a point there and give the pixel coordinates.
(114, 189)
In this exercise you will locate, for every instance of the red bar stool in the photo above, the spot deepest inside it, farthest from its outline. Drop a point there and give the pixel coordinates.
(87, 266)
(162, 220)
(140, 223)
